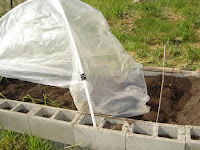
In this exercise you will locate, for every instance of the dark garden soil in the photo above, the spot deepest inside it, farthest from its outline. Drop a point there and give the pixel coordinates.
(109, 125)
(180, 100)
(29, 92)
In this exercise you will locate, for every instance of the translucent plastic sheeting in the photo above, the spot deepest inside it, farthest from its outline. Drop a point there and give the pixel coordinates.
(36, 46)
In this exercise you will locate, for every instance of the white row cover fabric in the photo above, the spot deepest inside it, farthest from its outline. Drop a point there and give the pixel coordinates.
(37, 45)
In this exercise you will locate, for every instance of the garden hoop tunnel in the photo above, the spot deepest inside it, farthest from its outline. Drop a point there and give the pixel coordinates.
(67, 43)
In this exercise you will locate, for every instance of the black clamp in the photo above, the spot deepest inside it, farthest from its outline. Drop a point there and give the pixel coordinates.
(83, 76)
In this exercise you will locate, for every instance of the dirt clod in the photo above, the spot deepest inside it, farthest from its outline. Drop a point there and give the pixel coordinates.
(109, 125)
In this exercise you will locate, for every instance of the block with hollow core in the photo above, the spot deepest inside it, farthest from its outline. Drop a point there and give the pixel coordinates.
(192, 137)
(147, 135)
(54, 124)
(109, 134)
(14, 116)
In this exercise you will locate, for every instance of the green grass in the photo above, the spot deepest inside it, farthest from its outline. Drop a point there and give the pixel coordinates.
(14, 141)
(10, 140)
(144, 28)
(1, 14)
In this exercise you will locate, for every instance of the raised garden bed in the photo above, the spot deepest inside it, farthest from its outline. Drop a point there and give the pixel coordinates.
(180, 102)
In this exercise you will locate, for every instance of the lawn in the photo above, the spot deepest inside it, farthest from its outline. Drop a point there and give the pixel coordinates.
(144, 28)
(14, 141)
(10, 140)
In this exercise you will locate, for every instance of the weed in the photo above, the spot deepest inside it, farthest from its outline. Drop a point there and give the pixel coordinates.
(35, 143)
(10, 140)
(45, 101)
(2, 96)
(45, 96)
(27, 97)
(3, 78)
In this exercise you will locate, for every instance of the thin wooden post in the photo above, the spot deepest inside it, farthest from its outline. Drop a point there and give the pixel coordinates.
(11, 4)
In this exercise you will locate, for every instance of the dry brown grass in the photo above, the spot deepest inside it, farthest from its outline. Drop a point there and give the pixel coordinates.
(174, 17)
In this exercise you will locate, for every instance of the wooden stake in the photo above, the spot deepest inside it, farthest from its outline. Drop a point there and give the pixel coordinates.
(163, 77)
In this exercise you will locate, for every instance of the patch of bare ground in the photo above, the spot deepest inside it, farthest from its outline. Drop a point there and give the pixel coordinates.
(180, 100)
(154, 47)
(147, 61)
(131, 53)
(174, 17)
(125, 23)
(197, 32)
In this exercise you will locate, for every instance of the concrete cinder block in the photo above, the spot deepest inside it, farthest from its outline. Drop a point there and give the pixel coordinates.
(54, 124)
(99, 138)
(8, 105)
(192, 137)
(24, 108)
(152, 136)
(14, 116)
(69, 127)
(1, 101)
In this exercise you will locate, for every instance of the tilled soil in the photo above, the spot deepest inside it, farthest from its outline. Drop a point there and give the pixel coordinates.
(32, 92)
(180, 100)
